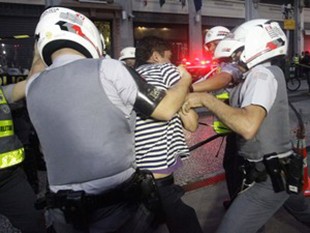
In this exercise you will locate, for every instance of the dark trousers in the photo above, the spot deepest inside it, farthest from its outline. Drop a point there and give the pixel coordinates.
(107, 215)
(231, 164)
(179, 217)
(118, 218)
(30, 168)
(17, 201)
(299, 207)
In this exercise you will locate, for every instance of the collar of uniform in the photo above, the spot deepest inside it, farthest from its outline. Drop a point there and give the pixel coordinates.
(64, 59)
(268, 63)
(59, 61)
(265, 64)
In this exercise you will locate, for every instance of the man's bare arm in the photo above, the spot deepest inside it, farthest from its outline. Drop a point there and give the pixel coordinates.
(174, 98)
(189, 120)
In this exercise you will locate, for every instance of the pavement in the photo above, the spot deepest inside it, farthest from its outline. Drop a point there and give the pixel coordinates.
(202, 174)
(207, 201)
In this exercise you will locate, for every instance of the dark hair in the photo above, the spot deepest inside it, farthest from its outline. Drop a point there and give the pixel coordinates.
(147, 45)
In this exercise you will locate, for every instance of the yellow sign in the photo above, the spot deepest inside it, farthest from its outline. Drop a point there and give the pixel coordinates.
(289, 24)
(6, 79)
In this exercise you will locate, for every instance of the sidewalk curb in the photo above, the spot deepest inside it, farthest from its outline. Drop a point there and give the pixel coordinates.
(203, 183)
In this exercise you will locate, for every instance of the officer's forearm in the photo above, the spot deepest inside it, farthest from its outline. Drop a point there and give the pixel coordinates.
(244, 121)
(217, 82)
(18, 91)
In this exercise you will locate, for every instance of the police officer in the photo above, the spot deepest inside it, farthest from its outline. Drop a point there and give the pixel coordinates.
(84, 113)
(128, 56)
(212, 38)
(220, 82)
(263, 142)
(16, 195)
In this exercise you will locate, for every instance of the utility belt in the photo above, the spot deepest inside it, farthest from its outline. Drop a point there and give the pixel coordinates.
(78, 206)
(285, 172)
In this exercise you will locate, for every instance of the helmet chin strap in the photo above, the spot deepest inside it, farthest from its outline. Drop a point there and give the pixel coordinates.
(243, 66)
(236, 59)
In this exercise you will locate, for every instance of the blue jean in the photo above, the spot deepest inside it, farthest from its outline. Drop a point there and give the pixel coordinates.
(252, 208)
(179, 217)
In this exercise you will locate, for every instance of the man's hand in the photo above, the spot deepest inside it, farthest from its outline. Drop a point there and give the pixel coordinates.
(193, 100)
(244, 121)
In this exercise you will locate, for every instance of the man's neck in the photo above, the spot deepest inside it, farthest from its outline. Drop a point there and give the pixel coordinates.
(65, 51)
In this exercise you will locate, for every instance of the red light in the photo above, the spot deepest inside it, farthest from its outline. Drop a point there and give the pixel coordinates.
(198, 67)
(205, 62)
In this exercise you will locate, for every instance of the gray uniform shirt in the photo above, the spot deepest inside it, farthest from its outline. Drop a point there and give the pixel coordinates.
(264, 86)
(259, 88)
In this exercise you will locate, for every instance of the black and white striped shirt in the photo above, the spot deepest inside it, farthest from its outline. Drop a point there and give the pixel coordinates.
(159, 144)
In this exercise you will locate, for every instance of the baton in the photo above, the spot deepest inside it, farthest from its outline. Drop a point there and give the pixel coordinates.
(210, 139)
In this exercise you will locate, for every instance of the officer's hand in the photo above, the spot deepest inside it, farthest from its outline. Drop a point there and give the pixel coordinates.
(193, 100)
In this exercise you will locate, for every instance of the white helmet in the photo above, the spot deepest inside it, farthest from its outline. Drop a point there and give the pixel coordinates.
(216, 33)
(128, 52)
(228, 48)
(61, 27)
(258, 39)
